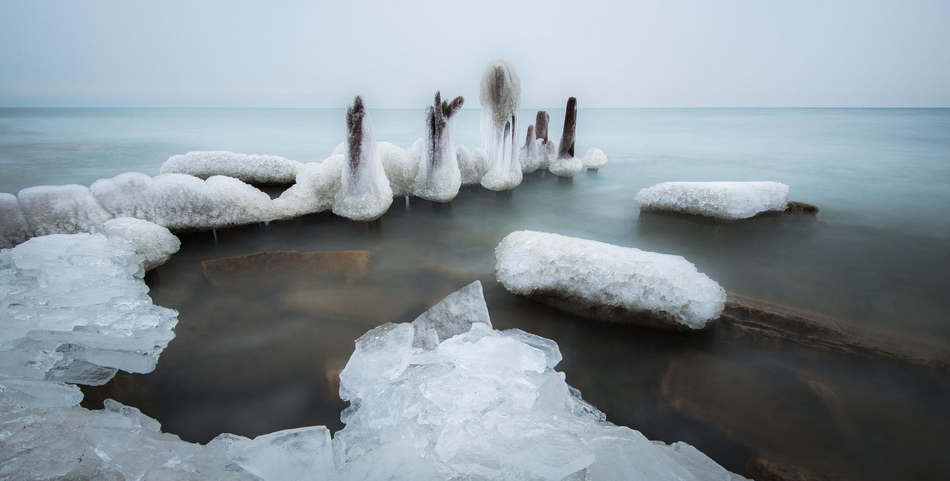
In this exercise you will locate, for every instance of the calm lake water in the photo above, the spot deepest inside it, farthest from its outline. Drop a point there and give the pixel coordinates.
(255, 357)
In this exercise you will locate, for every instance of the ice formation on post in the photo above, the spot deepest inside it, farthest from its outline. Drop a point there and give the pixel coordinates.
(566, 165)
(253, 169)
(439, 178)
(448, 397)
(547, 149)
(531, 152)
(500, 98)
(607, 282)
(724, 200)
(365, 193)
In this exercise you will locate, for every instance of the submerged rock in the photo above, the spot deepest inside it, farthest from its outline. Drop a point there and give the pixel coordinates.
(279, 266)
(607, 282)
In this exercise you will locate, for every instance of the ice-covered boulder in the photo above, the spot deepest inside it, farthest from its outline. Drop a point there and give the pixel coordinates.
(594, 158)
(13, 226)
(155, 243)
(607, 282)
(250, 168)
(470, 402)
(313, 191)
(724, 200)
(365, 193)
(62, 209)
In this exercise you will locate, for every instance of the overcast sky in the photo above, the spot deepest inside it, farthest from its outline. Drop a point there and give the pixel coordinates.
(297, 53)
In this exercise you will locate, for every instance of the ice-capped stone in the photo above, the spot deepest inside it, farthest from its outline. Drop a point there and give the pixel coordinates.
(607, 282)
(64, 209)
(500, 98)
(316, 185)
(365, 193)
(154, 242)
(724, 200)
(594, 158)
(483, 404)
(438, 178)
(180, 201)
(451, 316)
(250, 168)
(566, 165)
(291, 454)
(13, 226)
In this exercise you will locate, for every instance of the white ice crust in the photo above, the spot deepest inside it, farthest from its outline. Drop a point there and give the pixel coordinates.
(365, 193)
(594, 158)
(445, 397)
(597, 279)
(155, 243)
(724, 200)
(566, 166)
(250, 168)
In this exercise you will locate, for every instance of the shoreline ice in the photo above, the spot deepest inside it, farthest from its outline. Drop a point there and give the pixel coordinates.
(724, 200)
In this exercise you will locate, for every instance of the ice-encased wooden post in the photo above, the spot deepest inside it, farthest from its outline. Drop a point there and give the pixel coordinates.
(566, 147)
(365, 193)
(439, 177)
(500, 98)
(541, 126)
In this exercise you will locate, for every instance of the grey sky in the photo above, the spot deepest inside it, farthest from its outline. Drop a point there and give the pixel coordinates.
(296, 53)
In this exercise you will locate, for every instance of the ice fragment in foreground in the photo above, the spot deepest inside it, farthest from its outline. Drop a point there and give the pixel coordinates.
(608, 282)
(725, 200)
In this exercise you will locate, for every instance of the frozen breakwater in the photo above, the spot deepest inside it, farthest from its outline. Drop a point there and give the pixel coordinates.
(607, 282)
(457, 399)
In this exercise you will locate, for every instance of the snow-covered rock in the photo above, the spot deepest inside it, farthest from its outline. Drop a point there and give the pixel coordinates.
(62, 209)
(607, 282)
(155, 243)
(594, 158)
(316, 185)
(724, 200)
(250, 168)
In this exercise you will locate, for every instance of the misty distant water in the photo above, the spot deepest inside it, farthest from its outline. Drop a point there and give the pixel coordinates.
(255, 359)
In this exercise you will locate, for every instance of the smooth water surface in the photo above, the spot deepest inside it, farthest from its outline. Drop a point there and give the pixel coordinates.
(255, 357)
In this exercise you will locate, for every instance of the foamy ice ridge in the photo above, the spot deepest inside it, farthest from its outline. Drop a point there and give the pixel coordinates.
(445, 397)
(250, 168)
(608, 282)
(724, 200)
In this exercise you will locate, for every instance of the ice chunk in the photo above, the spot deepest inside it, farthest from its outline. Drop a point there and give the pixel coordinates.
(608, 282)
(594, 158)
(154, 242)
(250, 168)
(439, 178)
(316, 185)
(451, 316)
(76, 308)
(500, 98)
(365, 193)
(292, 454)
(483, 404)
(725, 200)
(13, 226)
(65, 209)
(566, 166)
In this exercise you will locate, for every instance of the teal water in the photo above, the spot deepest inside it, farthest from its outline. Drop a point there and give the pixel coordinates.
(257, 359)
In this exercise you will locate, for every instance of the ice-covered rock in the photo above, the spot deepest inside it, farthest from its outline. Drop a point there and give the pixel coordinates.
(608, 282)
(155, 243)
(500, 98)
(594, 158)
(473, 164)
(63, 209)
(250, 168)
(438, 178)
(400, 167)
(313, 191)
(365, 193)
(724, 200)
(470, 402)
(13, 226)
